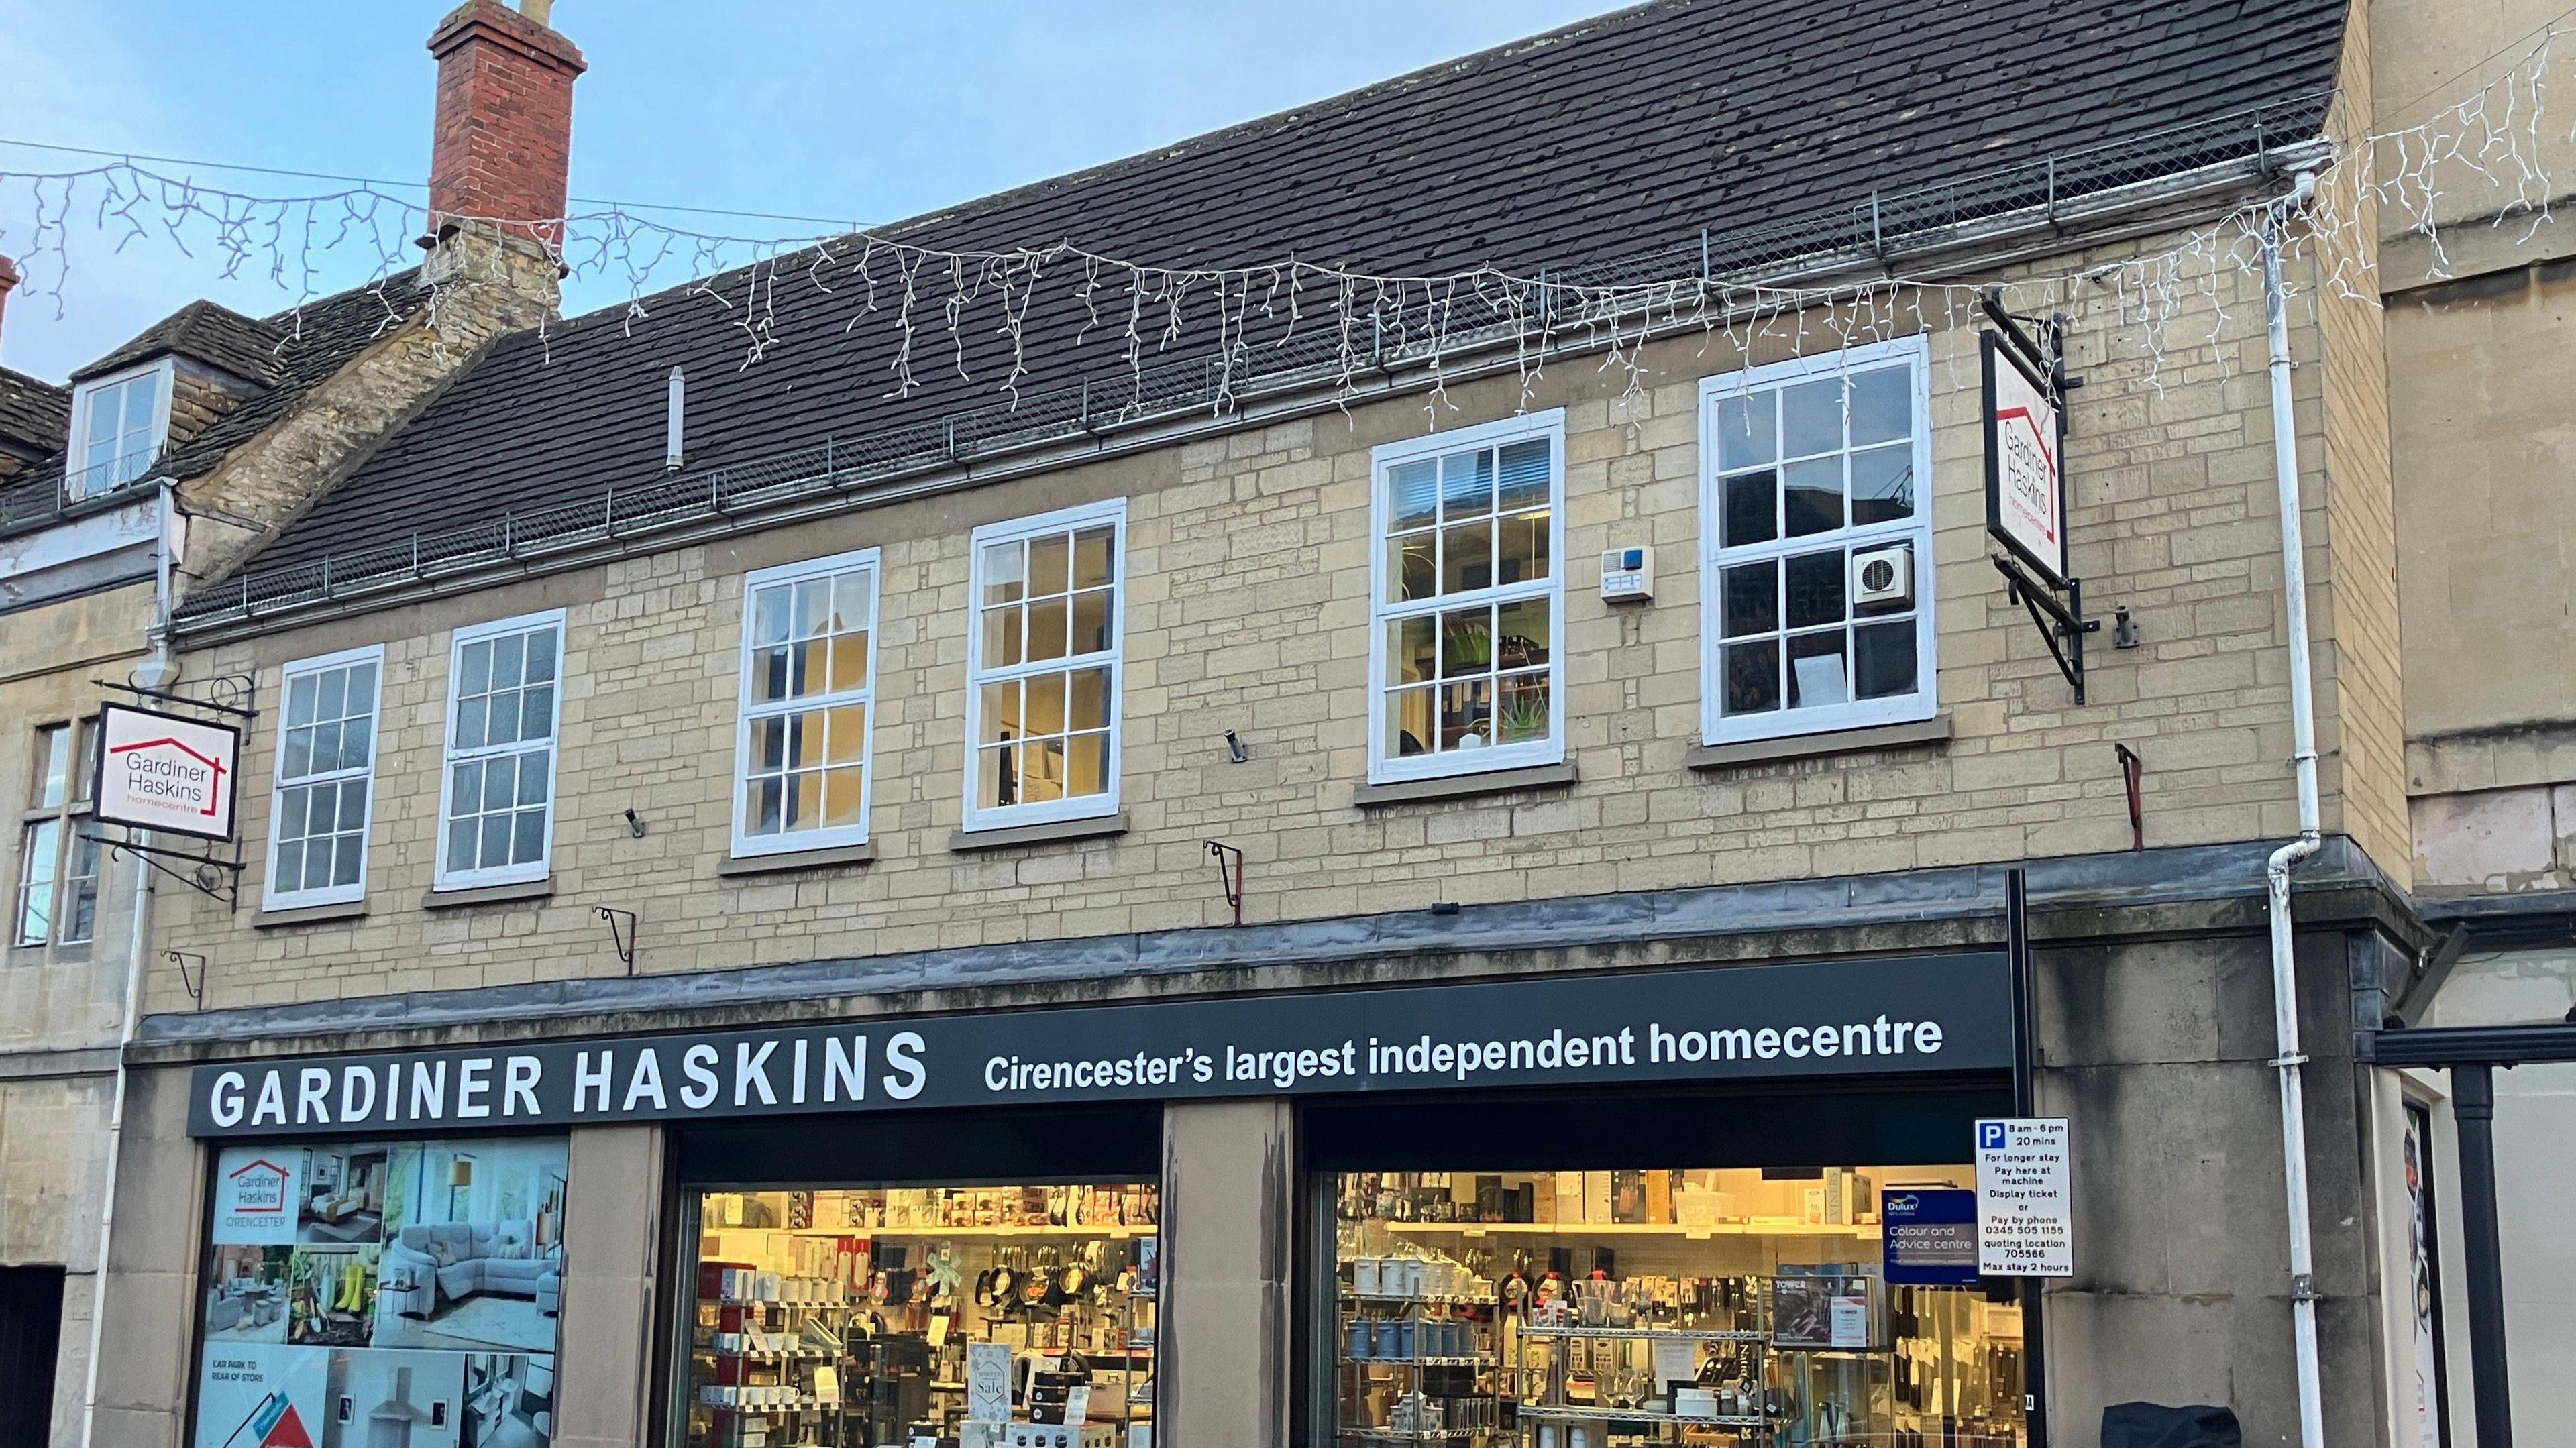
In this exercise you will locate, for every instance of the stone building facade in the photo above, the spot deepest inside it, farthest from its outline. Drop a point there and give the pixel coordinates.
(1249, 636)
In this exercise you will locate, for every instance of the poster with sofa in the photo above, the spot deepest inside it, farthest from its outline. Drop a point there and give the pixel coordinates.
(472, 1258)
(383, 1295)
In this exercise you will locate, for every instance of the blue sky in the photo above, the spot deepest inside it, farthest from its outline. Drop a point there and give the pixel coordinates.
(866, 111)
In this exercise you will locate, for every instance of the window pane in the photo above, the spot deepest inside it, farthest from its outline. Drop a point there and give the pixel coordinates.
(1746, 430)
(1005, 573)
(1816, 670)
(842, 797)
(760, 807)
(1089, 707)
(1086, 765)
(1045, 704)
(1523, 716)
(1042, 764)
(804, 740)
(1409, 567)
(1049, 627)
(1751, 506)
(769, 675)
(1520, 548)
(85, 759)
(1095, 564)
(325, 810)
(1882, 484)
(297, 762)
(810, 615)
(290, 866)
(40, 857)
(1752, 598)
(1001, 712)
(846, 731)
(465, 791)
(1467, 556)
(1466, 642)
(331, 699)
(290, 813)
(851, 609)
(508, 654)
(461, 835)
(1091, 622)
(469, 722)
(1525, 471)
(533, 771)
(357, 741)
(53, 765)
(528, 841)
(1812, 496)
(300, 696)
(1409, 655)
(1466, 714)
(1467, 483)
(1816, 589)
(1882, 405)
(804, 800)
(106, 418)
(1521, 637)
(494, 846)
(1753, 677)
(474, 668)
(326, 747)
(541, 656)
(1412, 494)
(769, 616)
(1884, 659)
(351, 856)
(1050, 565)
(353, 804)
(1811, 417)
(1001, 636)
(808, 666)
(1408, 722)
(994, 779)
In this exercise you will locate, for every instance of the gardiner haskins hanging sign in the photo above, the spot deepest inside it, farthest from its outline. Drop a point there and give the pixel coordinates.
(2025, 459)
(161, 771)
(1837, 1018)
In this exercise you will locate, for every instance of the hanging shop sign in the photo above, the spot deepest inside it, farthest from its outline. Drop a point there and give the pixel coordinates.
(2025, 1208)
(2025, 459)
(160, 771)
(1825, 1019)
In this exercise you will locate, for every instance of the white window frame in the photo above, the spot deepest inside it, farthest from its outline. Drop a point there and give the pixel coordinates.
(829, 836)
(543, 865)
(1716, 727)
(1112, 511)
(271, 897)
(66, 815)
(85, 394)
(1387, 769)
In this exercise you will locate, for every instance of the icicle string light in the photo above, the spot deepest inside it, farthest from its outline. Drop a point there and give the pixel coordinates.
(2497, 142)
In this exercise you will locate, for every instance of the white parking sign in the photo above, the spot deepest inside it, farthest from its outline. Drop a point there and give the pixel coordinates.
(2025, 1212)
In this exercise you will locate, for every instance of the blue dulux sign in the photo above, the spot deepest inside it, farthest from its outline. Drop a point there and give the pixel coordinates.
(1930, 1236)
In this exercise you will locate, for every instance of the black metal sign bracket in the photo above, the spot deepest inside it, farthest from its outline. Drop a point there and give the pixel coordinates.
(2060, 619)
(208, 875)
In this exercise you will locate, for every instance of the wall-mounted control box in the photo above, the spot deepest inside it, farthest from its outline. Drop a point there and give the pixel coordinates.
(1628, 575)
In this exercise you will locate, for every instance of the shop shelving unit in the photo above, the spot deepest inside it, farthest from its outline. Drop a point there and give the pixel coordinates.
(1479, 1371)
(1553, 1410)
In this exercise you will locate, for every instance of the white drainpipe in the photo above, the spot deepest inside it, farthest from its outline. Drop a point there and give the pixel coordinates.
(2303, 734)
(156, 673)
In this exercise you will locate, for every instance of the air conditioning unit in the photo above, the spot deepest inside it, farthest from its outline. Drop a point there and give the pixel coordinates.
(1883, 578)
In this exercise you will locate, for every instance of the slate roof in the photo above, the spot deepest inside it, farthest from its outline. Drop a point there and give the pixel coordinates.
(1615, 138)
(201, 332)
(288, 353)
(34, 416)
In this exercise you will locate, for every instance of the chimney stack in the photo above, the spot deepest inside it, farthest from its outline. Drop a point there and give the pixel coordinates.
(503, 145)
(10, 276)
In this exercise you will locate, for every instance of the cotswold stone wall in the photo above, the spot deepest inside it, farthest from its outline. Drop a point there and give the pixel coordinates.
(1248, 567)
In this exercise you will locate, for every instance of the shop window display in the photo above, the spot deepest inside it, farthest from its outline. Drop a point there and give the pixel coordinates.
(382, 1295)
(1726, 1307)
(964, 1316)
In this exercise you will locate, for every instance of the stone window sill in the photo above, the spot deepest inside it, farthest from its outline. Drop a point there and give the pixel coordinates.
(1935, 730)
(1464, 786)
(786, 860)
(308, 915)
(1055, 833)
(488, 894)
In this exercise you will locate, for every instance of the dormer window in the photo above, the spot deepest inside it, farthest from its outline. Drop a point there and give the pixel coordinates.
(117, 426)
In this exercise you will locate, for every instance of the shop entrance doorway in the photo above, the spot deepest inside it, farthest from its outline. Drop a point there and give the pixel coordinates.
(31, 1320)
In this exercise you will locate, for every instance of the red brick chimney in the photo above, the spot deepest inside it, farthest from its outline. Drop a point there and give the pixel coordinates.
(503, 145)
(10, 276)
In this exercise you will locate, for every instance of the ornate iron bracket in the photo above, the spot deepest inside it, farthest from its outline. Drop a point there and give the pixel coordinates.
(1229, 881)
(622, 937)
(2061, 621)
(216, 879)
(196, 984)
